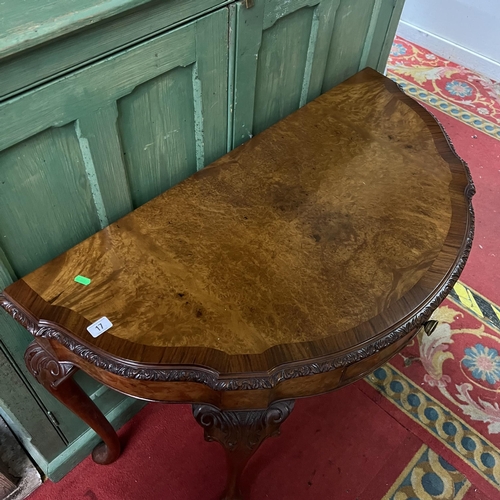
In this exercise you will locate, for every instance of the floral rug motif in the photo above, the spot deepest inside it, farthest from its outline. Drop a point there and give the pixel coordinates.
(449, 384)
(444, 85)
(445, 388)
(460, 362)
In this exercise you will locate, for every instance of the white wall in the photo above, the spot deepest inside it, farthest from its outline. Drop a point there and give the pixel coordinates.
(464, 31)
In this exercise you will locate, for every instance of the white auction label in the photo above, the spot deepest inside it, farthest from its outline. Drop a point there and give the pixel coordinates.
(99, 327)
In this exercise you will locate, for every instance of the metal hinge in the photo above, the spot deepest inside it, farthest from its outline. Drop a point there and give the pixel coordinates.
(249, 4)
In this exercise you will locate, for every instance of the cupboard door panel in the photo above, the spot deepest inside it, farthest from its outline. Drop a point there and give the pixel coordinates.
(287, 53)
(43, 61)
(283, 59)
(45, 198)
(279, 45)
(350, 31)
(80, 152)
(84, 150)
(158, 133)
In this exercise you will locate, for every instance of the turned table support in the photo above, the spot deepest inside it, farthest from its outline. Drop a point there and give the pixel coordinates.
(57, 377)
(240, 433)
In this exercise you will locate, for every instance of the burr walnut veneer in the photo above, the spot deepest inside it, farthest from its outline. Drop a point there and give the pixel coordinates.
(290, 267)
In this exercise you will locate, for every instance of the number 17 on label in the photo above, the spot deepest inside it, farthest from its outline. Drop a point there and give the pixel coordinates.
(99, 327)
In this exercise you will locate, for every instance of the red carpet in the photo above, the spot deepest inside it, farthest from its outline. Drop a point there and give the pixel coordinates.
(482, 154)
(444, 389)
(425, 426)
(166, 457)
(340, 446)
(470, 113)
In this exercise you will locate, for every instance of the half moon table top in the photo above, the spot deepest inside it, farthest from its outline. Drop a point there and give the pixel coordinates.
(325, 238)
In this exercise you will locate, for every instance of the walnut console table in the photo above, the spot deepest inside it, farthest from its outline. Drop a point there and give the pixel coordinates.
(292, 266)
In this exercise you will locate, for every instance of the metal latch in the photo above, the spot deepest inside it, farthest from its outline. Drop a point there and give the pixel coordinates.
(430, 326)
(53, 419)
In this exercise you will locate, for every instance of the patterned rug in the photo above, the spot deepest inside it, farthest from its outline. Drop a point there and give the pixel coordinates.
(446, 86)
(445, 388)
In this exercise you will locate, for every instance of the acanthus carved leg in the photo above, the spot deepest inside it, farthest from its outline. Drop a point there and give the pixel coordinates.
(240, 433)
(57, 377)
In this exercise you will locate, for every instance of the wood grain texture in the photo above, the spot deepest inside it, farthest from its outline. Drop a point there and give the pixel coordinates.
(287, 53)
(156, 123)
(100, 129)
(13, 342)
(187, 385)
(63, 174)
(319, 243)
(174, 124)
(276, 49)
(281, 67)
(39, 176)
(64, 167)
(35, 23)
(325, 12)
(63, 101)
(57, 378)
(212, 39)
(248, 41)
(103, 37)
(351, 23)
(240, 433)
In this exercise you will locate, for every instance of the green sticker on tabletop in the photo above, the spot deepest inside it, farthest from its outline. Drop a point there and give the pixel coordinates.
(83, 280)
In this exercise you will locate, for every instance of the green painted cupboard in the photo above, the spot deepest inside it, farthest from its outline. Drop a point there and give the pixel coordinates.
(104, 105)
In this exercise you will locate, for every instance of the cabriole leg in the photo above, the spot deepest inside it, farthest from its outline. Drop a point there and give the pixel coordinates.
(57, 377)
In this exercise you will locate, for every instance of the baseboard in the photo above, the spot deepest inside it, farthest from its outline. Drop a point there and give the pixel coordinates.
(450, 50)
(24, 438)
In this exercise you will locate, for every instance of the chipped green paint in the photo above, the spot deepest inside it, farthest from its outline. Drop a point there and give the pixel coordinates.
(100, 128)
(288, 52)
(313, 37)
(74, 154)
(37, 22)
(92, 176)
(231, 72)
(198, 119)
(369, 36)
(65, 53)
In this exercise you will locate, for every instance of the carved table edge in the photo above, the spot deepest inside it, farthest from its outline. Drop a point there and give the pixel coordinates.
(470, 188)
(305, 368)
(271, 379)
(45, 366)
